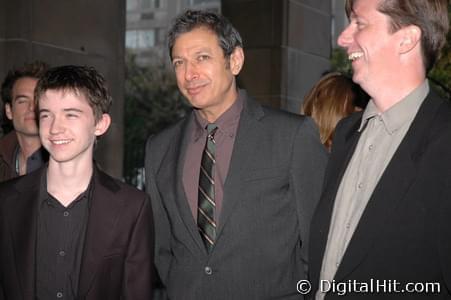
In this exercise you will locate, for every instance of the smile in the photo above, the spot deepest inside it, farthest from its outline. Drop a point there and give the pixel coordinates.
(60, 142)
(355, 55)
(194, 90)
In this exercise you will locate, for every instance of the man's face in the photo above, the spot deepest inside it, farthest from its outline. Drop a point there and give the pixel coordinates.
(204, 76)
(370, 45)
(21, 109)
(67, 126)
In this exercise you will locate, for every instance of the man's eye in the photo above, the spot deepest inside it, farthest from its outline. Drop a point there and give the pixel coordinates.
(203, 57)
(177, 63)
(359, 24)
(43, 116)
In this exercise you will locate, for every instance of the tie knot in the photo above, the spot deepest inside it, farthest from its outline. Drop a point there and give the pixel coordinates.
(211, 129)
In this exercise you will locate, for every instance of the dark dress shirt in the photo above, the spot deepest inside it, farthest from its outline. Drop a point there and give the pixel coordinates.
(60, 240)
(9, 149)
(225, 137)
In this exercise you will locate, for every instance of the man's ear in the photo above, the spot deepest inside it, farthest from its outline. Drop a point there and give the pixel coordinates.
(102, 125)
(8, 111)
(410, 38)
(236, 60)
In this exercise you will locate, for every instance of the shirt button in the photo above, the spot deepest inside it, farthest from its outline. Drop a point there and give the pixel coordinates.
(208, 270)
(62, 253)
(66, 213)
(360, 185)
(348, 225)
(59, 295)
(371, 147)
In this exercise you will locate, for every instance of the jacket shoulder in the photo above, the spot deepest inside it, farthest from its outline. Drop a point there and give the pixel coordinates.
(162, 139)
(118, 187)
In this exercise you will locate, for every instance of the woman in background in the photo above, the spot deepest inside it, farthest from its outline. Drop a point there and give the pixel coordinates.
(332, 98)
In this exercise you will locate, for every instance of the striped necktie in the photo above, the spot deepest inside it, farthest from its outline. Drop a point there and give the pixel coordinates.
(206, 196)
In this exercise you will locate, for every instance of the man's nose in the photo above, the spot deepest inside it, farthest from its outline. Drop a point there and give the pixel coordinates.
(191, 71)
(346, 37)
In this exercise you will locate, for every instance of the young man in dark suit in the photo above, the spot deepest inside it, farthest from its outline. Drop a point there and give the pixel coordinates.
(234, 183)
(382, 229)
(68, 230)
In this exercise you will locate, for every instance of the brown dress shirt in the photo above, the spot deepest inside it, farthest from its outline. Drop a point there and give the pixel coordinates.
(225, 137)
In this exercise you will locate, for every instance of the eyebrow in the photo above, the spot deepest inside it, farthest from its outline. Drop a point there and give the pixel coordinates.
(72, 110)
(21, 96)
(200, 51)
(65, 110)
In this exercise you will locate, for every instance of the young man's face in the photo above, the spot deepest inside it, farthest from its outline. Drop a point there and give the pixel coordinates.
(371, 47)
(67, 126)
(204, 76)
(21, 109)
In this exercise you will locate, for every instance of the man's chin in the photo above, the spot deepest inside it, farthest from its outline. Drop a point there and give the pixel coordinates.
(28, 133)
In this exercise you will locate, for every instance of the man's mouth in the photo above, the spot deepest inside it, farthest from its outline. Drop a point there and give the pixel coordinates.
(60, 142)
(355, 55)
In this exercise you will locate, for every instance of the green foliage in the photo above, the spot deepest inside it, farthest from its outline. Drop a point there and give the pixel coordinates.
(340, 62)
(441, 73)
(152, 102)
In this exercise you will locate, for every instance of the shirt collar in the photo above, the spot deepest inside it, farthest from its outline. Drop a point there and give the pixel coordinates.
(399, 114)
(45, 196)
(226, 122)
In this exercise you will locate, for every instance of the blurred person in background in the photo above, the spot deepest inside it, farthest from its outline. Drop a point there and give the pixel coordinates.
(331, 99)
(20, 149)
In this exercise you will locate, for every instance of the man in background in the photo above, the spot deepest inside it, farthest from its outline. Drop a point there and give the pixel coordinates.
(20, 149)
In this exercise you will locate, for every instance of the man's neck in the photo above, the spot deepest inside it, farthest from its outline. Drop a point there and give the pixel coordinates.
(28, 144)
(388, 96)
(65, 181)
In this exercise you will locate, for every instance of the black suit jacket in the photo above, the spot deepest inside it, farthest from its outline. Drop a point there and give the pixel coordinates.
(270, 192)
(404, 233)
(118, 250)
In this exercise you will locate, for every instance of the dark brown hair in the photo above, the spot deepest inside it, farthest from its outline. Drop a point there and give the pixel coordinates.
(33, 70)
(77, 79)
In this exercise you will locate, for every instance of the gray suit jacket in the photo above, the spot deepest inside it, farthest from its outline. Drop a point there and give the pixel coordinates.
(271, 190)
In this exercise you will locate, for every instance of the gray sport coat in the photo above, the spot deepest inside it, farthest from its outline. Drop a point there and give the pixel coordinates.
(272, 187)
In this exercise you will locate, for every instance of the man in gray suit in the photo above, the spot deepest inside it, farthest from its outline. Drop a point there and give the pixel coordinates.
(233, 184)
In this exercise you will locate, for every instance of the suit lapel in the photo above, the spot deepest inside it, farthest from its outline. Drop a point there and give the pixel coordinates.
(246, 138)
(103, 212)
(389, 192)
(23, 231)
(173, 177)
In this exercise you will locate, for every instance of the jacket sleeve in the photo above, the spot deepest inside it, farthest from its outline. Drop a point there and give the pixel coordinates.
(138, 270)
(163, 252)
(309, 159)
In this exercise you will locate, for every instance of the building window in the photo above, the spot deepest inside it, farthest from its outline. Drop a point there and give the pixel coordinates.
(197, 2)
(132, 5)
(150, 4)
(140, 39)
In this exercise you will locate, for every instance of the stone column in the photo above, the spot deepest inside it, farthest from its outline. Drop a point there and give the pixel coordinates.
(71, 32)
(287, 47)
